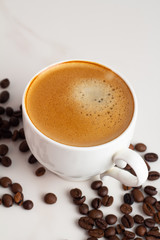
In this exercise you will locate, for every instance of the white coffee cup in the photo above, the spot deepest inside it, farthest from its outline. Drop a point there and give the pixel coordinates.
(81, 163)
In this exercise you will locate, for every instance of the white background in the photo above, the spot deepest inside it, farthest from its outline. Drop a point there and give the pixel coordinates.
(122, 34)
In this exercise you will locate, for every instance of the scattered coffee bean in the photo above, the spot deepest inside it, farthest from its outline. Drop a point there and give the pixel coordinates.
(128, 198)
(140, 147)
(131, 146)
(50, 198)
(76, 193)
(3, 149)
(141, 230)
(157, 217)
(92, 238)
(4, 83)
(95, 214)
(151, 157)
(150, 190)
(18, 198)
(96, 184)
(113, 238)
(6, 161)
(107, 201)
(127, 221)
(23, 147)
(7, 200)
(129, 235)
(126, 187)
(4, 96)
(155, 229)
(84, 209)
(86, 223)
(28, 204)
(98, 233)
(111, 219)
(14, 121)
(120, 228)
(103, 191)
(40, 171)
(101, 223)
(110, 231)
(153, 233)
(149, 222)
(137, 195)
(16, 187)
(17, 114)
(9, 111)
(138, 219)
(15, 135)
(148, 209)
(96, 203)
(2, 110)
(147, 164)
(79, 201)
(5, 124)
(5, 182)
(157, 205)
(150, 200)
(125, 208)
(5, 133)
(32, 159)
(21, 133)
(153, 175)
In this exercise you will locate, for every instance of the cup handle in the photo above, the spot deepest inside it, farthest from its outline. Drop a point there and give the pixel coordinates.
(121, 159)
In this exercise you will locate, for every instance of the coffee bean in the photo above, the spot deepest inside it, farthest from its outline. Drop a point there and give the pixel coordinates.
(16, 187)
(21, 133)
(96, 185)
(15, 135)
(4, 96)
(155, 229)
(128, 198)
(5, 182)
(40, 171)
(138, 219)
(14, 121)
(111, 219)
(92, 238)
(150, 200)
(150, 238)
(125, 208)
(129, 235)
(126, 187)
(32, 159)
(86, 223)
(50, 198)
(131, 146)
(147, 164)
(98, 233)
(5, 133)
(18, 198)
(153, 175)
(157, 217)
(84, 209)
(28, 204)
(79, 201)
(23, 147)
(96, 203)
(149, 222)
(151, 157)
(76, 193)
(127, 221)
(107, 201)
(3, 149)
(157, 205)
(150, 190)
(155, 234)
(137, 195)
(4, 83)
(9, 111)
(101, 223)
(95, 214)
(110, 231)
(140, 147)
(5, 124)
(140, 230)
(2, 110)
(7, 200)
(148, 209)
(120, 229)
(6, 161)
(103, 191)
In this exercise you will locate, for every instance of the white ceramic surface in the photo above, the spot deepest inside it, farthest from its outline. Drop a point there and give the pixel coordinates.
(123, 35)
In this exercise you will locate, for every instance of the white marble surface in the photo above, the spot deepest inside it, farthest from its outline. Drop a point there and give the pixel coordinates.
(124, 35)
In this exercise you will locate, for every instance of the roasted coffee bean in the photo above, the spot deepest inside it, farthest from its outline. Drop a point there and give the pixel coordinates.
(6, 161)
(155, 234)
(92, 238)
(84, 209)
(150, 238)
(151, 157)
(137, 195)
(14, 121)
(120, 228)
(4, 83)
(129, 235)
(107, 201)
(96, 203)
(50, 198)
(150, 200)
(95, 214)
(101, 223)
(96, 184)
(79, 201)
(126, 187)
(7, 200)
(103, 191)
(18, 198)
(153, 175)
(21, 133)
(110, 231)
(98, 233)
(113, 238)
(28, 204)
(32, 159)
(141, 230)
(17, 114)
(16, 187)
(4, 96)
(9, 111)
(76, 193)
(138, 219)
(5, 133)
(131, 146)
(140, 147)
(125, 208)
(137, 238)
(149, 222)
(5, 182)
(128, 198)
(138, 187)
(23, 147)
(127, 221)
(111, 219)
(86, 223)
(15, 135)
(5, 124)
(157, 205)
(147, 164)
(150, 190)
(3, 149)
(148, 209)
(2, 110)
(155, 229)
(40, 171)
(157, 217)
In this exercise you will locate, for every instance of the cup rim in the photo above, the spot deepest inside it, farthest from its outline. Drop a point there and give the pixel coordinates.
(62, 145)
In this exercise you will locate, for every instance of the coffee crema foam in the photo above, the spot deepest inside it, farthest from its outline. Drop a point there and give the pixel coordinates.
(80, 103)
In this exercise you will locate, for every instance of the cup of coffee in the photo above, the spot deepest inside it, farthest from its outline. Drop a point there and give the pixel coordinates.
(79, 117)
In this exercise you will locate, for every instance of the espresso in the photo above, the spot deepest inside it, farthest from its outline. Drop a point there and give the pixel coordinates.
(79, 103)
